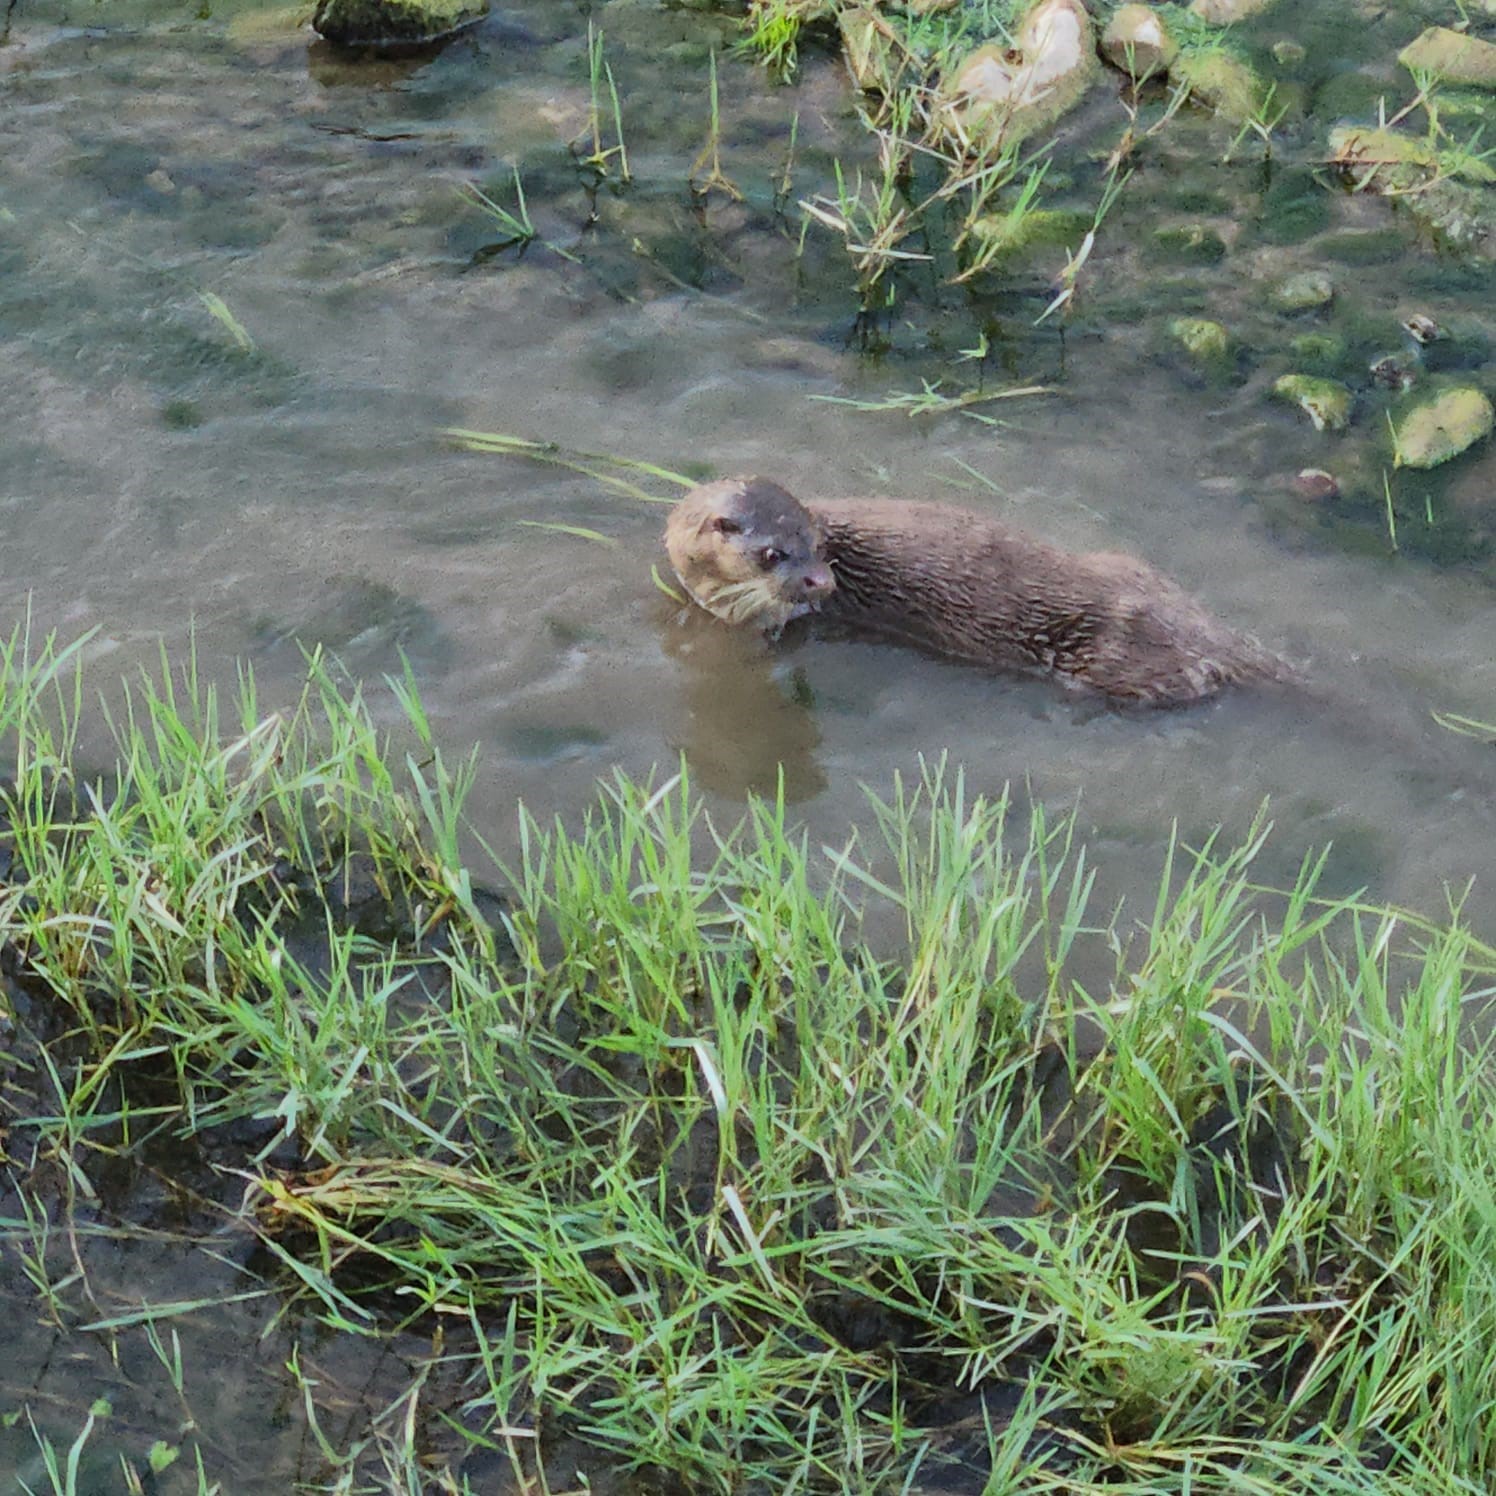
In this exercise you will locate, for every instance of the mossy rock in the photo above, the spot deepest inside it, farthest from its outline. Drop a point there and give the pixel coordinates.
(1186, 244)
(278, 23)
(999, 95)
(1430, 431)
(1221, 81)
(1039, 228)
(1452, 56)
(395, 22)
(1137, 40)
(1326, 402)
(868, 49)
(1319, 352)
(1304, 292)
(1392, 151)
(1207, 343)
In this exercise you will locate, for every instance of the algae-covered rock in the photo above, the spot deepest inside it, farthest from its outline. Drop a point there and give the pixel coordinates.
(1435, 429)
(868, 48)
(1227, 12)
(1186, 244)
(997, 95)
(1450, 192)
(1318, 352)
(251, 28)
(1205, 341)
(1326, 402)
(1361, 146)
(1220, 81)
(1452, 56)
(394, 22)
(1303, 292)
(1138, 40)
(1037, 228)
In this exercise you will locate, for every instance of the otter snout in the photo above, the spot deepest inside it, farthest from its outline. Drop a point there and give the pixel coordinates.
(816, 582)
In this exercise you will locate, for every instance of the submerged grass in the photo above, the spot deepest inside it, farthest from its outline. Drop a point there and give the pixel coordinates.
(663, 1158)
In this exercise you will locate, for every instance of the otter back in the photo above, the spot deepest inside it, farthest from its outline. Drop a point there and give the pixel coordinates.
(965, 587)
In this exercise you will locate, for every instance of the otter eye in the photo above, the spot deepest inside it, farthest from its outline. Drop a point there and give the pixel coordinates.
(769, 558)
(725, 526)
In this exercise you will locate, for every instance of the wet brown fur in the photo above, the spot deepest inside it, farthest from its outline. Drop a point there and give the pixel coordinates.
(961, 586)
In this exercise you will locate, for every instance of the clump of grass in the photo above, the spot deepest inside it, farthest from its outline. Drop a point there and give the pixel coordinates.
(690, 1167)
(600, 82)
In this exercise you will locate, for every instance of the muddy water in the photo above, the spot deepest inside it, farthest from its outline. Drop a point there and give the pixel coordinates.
(160, 477)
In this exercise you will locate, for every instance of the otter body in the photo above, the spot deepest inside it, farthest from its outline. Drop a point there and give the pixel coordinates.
(958, 585)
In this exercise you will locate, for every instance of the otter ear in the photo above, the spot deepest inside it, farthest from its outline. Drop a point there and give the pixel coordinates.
(725, 526)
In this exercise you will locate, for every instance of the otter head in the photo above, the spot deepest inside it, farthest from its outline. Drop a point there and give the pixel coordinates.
(747, 552)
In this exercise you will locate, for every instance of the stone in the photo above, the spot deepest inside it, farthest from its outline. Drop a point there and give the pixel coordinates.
(1452, 57)
(1221, 82)
(868, 49)
(1358, 146)
(1138, 41)
(1288, 53)
(1395, 371)
(395, 22)
(1326, 402)
(1450, 192)
(1038, 228)
(1318, 352)
(1205, 341)
(1186, 244)
(1303, 292)
(1316, 486)
(1434, 430)
(996, 96)
(1227, 12)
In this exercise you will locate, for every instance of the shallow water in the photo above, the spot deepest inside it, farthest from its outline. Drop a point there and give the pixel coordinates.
(159, 481)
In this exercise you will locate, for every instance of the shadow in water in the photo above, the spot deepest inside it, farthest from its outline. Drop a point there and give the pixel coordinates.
(747, 719)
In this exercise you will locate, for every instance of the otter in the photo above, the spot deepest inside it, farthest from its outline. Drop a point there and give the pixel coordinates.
(957, 585)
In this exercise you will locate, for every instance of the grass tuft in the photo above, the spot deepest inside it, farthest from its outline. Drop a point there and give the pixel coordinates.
(664, 1152)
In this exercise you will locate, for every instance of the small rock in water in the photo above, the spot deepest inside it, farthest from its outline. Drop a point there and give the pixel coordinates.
(1316, 485)
(1137, 41)
(1304, 291)
(1205, 341)
(1422, 329)
(1437, 429)
(1395, 371)
(1452, 57)
(998, 95)
(1321, 352)
(1326, 402)
(395, 22)
(1221, 82)
(1289, 53)
(868, 51)
(1187, 244)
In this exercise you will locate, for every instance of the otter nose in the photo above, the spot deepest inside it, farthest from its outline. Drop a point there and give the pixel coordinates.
(817, 580)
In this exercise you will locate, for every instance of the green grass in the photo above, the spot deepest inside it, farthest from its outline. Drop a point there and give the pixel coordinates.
(666, 1154)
